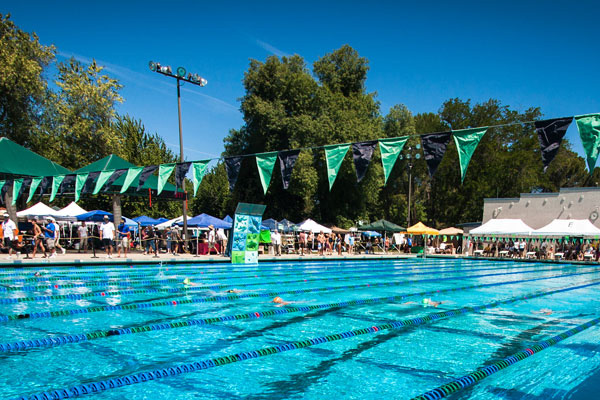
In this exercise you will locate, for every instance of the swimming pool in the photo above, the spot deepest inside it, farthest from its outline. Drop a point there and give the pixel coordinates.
(352, 329)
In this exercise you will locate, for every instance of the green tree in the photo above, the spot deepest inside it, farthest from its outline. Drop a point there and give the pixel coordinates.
(22, 83)
(79, 120)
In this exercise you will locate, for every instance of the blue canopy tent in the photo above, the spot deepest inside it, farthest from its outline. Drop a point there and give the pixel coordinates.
(161, 220)
(270, 223)
(204, 220)
(147, 221)
(228, 219)
(98, 216)
(287, 226)
(371, 234)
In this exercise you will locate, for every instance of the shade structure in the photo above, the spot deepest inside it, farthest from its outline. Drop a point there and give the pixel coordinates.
(568, 227)
(144, 220)
(162, 219)
(270, 224)
(371, 234)
(286, 225)
(94, 216)
(38, 210)
(421, 229)
(69, 212)
(204, 220)
(503, 226)
(309, 225)
(169, 223)
(114, 162)
(341, 231)
(383, 226)
(451, 231)
(228, 218)
(17, 160)
(98, 216)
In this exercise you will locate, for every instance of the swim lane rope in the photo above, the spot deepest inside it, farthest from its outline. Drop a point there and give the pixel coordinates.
(76, 338)
(141, 377)
(482, 373)
(232, 296)
(156, 282)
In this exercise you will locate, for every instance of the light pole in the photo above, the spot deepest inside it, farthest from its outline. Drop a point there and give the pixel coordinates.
(413, 153)
(194, 79)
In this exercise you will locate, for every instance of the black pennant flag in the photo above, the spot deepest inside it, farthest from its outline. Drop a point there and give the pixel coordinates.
(90, 182)
(362, 153)
(25, 186)
(181, 171)
(146, 172)
(116, 175)
(232, 165)
(44, 185)
(8, 185)
(287, 159)
(550, 134)
(434, 147)
(69, 180)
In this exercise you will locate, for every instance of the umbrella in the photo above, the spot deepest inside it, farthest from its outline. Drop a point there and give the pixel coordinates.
(371, 234)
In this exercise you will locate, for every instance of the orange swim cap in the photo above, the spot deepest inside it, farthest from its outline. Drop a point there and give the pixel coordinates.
(277, 300)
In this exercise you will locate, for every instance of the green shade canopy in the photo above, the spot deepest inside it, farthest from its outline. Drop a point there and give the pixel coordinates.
(17, 160)
(382, 225)
(113, 162)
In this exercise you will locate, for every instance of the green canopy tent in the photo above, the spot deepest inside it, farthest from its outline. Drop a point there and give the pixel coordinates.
(382, 225)
(19, 162)
(114, 162)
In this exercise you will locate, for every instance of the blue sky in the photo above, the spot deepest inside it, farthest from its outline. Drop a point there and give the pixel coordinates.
(524, 53)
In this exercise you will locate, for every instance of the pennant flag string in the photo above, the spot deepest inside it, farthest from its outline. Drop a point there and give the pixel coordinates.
(265, 163)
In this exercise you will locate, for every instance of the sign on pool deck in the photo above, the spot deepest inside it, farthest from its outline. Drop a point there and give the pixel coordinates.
(246, 233)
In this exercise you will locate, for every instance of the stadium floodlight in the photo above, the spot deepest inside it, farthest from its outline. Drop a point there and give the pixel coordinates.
(180, 76)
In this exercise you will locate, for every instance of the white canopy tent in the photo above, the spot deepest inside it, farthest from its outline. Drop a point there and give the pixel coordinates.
(169, 223)
(38, 210)
(568, 227)
(72, 210)
(311, 226)
(505, 226)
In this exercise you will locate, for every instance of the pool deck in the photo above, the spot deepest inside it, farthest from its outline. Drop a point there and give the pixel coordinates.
(74, 259)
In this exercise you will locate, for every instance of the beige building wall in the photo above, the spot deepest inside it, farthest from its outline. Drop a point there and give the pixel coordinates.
(539, 209)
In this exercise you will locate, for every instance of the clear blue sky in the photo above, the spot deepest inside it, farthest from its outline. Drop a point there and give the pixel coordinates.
(524, 53)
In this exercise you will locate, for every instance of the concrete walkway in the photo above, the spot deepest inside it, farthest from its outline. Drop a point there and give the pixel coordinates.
(74, 258)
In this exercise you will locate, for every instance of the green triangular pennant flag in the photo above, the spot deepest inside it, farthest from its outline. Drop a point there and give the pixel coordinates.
(466, 142)
(102, 178)
(334, 155)
(56, 181)
(16, 189)
(132, 174)
(390, 150)
(164, 172)
(79, 182)
(265, 163)
(198, 169)
(589, 131)
(35, 182)
(2, 185)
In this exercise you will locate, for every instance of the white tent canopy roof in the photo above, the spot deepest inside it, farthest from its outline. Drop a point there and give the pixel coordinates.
(169, 223)
(504, 226)
(39, 210)
(72, 210)
(311, 226)
(568, 227)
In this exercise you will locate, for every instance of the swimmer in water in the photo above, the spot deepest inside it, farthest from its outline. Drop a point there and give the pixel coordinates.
(279, 301)
(546, 311)
(429, 302)
(188, 282)
(233, 291)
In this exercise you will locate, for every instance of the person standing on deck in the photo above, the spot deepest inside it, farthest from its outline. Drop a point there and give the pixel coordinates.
(83, 237)
(8, 231)
(107, 232)
(124, 233)
(276, 239)
(50, 235)
(38, 238)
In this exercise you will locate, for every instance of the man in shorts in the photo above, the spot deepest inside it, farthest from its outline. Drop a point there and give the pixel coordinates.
(8, 230)
(50, 236)
(124, 233)
(38, 237)
(107, 233)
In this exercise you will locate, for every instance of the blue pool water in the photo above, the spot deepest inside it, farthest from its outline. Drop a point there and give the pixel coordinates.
(389, 363)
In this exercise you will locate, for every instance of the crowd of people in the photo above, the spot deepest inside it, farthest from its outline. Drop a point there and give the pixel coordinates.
(540, 249)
